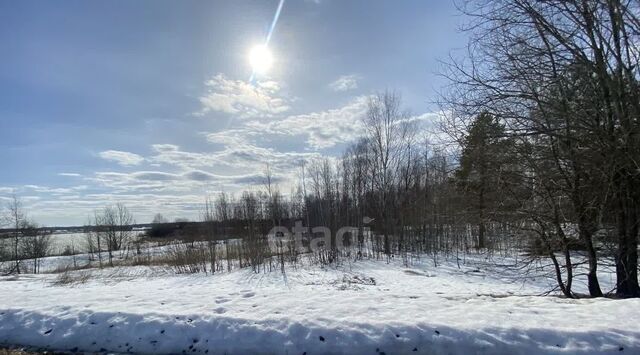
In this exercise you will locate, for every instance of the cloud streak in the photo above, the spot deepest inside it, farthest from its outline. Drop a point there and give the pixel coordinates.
(122, 158)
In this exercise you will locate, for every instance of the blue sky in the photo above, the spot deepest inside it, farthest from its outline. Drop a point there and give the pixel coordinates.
(149, 102)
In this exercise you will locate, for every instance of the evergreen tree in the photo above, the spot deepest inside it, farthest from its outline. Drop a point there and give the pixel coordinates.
(480, 166)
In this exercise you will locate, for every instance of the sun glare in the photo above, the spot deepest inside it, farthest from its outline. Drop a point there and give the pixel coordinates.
(260, 59)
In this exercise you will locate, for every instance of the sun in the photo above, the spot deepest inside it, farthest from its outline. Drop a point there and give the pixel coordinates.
(260, 59)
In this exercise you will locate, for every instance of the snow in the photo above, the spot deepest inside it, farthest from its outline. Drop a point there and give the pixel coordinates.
(63, 262)
(358, 308)
(60, 241)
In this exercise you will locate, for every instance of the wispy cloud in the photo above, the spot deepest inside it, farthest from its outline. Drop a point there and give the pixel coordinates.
(238, 154)
(7, 190)
(173, 155)
(243, 99)
(345, 83)
(122, 158)
(248, 156)
(54, 190)
(232, 137)
(159, 181)
(323, 129)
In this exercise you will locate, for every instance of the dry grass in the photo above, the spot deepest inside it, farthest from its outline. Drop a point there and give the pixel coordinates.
(70, 278)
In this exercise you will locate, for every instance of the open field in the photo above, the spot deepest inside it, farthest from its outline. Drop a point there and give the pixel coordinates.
(356, 308)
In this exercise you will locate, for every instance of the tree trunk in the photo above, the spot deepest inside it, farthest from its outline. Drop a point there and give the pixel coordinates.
(592, 274)
(627, 256)
(481, 233)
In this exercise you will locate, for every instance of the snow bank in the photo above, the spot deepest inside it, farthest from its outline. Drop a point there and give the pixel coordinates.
(366, 308)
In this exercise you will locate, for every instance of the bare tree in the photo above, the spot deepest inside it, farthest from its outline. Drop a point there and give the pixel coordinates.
(564, 73)
(17, 220)
(387, 132)
(93, 237)
(4, 222)
(35, 244)
(113, 228)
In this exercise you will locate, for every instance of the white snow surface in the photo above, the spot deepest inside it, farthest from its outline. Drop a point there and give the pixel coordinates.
(365, 307)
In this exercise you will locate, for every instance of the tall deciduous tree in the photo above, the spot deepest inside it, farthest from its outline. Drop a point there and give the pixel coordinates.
(387, 131)
(525, 57)
(17, 219)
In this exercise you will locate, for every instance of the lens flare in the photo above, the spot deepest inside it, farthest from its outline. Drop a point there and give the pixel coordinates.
(260, 57)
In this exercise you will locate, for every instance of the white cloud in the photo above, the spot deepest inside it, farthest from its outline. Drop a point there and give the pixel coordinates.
(6, 190)
(142, 182)
(427, 120)
(54, 190)
(232, 137)
(173, 183)
(69, 174)
(323, 129)
(122, 158)
(345, 83)
(172, 155)
(254, 158)
(243, 99)
(239, 155)
(241, 152)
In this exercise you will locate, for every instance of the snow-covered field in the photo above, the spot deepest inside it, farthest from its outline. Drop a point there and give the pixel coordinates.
(366, 307)
(59, 242)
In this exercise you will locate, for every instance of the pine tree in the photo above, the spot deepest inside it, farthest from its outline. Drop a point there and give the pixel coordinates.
(480, 164)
